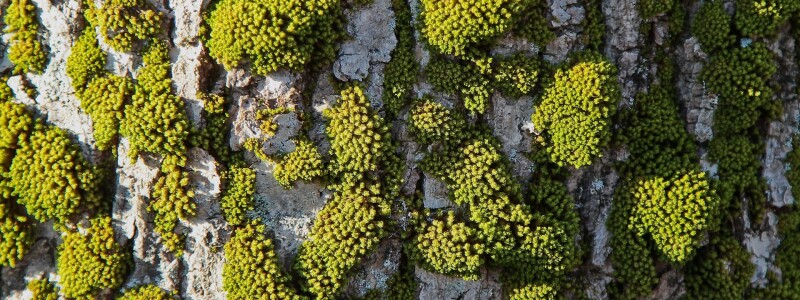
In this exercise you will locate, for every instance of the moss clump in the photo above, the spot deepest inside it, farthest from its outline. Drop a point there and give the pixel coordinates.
(240, 188)
(91, 263)
(594, 25)
(451, 247)
(103, 100)
(529, 239)
(464, 79)
(516, 76)
(304, 163)
(741, 79)
(251, 270)
(26, 52)
(273, 34)
(453, 26)
(51, 178)
(86, 60)
(146, 292)
(400, 73)
(5, 91)
(675, 213)
(712, 27)
(534, 291)
(762, 18)
(576, 109)
(267, 117)
(155, 121)
(123, 22)
(366, 177)
(665, 205)
(652, 8)
(213, 135)
(15, 233)
(722, 270)
(43, 289)
(432, 122)
(358, 135)
(172, 201)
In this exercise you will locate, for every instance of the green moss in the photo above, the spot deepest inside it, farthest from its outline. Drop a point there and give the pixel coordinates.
(15, 232)
(763, 18)
(575, 112)
(450, 247)
(712, 27)
(722, 270)
(240, 188)
(451, 27)
(516, 76)
(5, 91)
(533, 24)
(146, 292)
(665, 205)
(103, 100)
(121, 23)
(26, 52)
(172, 201)
(251, 270)
(530, 240)
(402, 71)
(51, 178)
(366, 177)
(43, 289)
(464, 79)
(655, 136)
(91, 263)
(213, 135)
(358, 135)
(741, 79)
(651, 8)
(594, 25)
(267, 117)
(675, 212)
(273, 34)
(304, 163)
(534, 291)
(86, 60)
(155, 121)
(432, 122)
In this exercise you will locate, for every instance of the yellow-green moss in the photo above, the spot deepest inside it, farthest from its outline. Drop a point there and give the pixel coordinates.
(155, 121)
(240, 188)
(304, 163)
(450, 247)
(91, 263)
(212, 136)
(26, 52)
(366, 179)
(465, 79)
(432, 122)
(575, 112)
(251, 270)
(453, 26)
(51, 178)
(103, 100)
(146, 292)
(273, 34)
(763, 18)
(123, 22)
(402, 71)
(43, 289)
(172, 200)
(86, 60)
(517, 75)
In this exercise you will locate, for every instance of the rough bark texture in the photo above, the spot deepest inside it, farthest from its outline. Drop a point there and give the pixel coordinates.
(289, 214)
